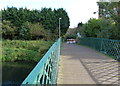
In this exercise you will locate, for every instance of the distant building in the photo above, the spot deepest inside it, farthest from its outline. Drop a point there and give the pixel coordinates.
(78, 35)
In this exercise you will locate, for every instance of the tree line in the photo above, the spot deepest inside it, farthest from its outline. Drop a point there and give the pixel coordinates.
(28, 24)
(104, 27)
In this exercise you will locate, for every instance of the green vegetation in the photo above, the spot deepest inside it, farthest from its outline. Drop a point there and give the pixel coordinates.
(28, 24)
(106, 26)
(111, 8)
(100, 28)
(71, 34)
(28, 34)
(17, 50)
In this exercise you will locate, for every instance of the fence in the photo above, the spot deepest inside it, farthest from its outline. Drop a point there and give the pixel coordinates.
(46, 71)
(107, 46)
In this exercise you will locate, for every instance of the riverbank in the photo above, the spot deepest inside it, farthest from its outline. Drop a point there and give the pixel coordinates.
(19, 50)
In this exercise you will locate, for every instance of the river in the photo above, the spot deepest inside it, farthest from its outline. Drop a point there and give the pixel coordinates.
(15, 72)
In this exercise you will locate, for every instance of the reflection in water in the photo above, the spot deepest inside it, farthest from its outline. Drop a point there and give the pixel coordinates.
(15, 72)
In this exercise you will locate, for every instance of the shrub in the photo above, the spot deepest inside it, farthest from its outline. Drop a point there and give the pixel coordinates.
(100, 28)
(37, 31)
(8, 30)
(26, 31)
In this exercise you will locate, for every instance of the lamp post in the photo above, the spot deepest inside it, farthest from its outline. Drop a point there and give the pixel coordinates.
(59, 27)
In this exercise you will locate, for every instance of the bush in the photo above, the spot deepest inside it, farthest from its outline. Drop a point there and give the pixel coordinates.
(100, 28)
(37, 31)
(8, 30)
(26, 31)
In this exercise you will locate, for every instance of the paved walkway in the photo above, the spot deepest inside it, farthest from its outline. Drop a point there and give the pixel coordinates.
(83, 65)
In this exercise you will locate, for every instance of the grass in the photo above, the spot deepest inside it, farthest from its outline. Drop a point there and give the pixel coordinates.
(19, 50)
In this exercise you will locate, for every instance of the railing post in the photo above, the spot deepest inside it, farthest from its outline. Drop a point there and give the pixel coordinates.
(101, 43)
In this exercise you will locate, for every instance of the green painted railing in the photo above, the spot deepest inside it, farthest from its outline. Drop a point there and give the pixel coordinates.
(46, 71)
(107, 46)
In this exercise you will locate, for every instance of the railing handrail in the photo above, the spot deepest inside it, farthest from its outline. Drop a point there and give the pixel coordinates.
(102, 39)
(107, 46)
(39, 70)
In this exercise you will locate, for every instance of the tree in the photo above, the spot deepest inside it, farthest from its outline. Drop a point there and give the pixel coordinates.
(0, 15)
(37, 31)
(34, 16)
(114, 10)
(8, 30)
(50, 19)
(100, 28)
(65, 23)
(47, 18)
(80, 24)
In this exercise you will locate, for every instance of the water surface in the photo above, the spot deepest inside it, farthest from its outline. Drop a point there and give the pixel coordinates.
(16, 72)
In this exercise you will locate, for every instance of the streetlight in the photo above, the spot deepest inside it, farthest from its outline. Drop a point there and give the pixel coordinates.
(59, 26)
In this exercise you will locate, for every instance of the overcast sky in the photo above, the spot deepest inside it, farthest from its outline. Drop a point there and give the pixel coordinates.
(78, 10)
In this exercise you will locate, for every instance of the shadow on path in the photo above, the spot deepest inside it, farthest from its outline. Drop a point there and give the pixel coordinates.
(101, 68)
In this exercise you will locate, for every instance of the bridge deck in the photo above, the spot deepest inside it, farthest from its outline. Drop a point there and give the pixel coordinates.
(83, 65)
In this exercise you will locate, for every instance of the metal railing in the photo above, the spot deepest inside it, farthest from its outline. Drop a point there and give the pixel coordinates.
(107, 46)
(46, 71)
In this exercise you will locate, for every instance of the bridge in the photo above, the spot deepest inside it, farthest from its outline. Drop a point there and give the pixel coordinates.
(93, 61)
